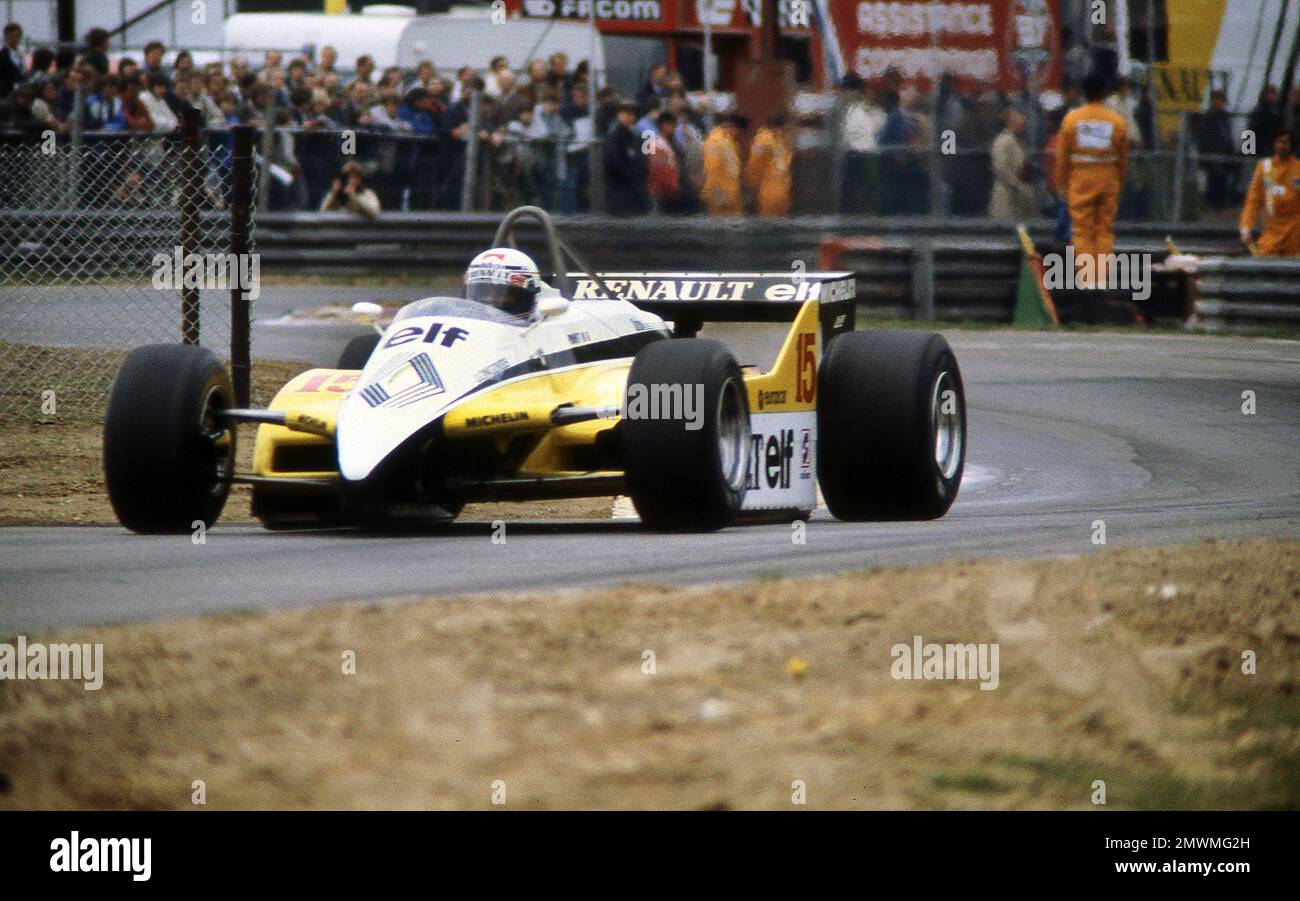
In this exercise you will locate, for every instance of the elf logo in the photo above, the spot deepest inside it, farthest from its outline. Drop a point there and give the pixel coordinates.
(412, 332)
(769, 460)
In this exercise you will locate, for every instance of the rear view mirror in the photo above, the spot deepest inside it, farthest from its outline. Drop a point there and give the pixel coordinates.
(549, 305)
(367, 309)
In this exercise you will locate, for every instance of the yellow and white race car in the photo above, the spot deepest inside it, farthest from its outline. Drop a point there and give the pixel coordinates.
(519, 391)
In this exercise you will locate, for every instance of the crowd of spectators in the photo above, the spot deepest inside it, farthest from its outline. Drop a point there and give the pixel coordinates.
(993, 154)
(404, 136)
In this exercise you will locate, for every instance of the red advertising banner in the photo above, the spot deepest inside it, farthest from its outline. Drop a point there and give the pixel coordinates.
(988, 42)
(651, 16)
(744, 16)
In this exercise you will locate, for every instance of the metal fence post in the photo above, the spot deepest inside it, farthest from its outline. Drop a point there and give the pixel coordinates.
(835, 136)
(923, 279)
(241, 215)
(268, 148)
(73, 195)
(471, 154)
(1180, 153)
(596, 174)
(191, 190)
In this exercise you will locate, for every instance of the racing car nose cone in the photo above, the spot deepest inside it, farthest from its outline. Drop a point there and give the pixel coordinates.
(366, 435)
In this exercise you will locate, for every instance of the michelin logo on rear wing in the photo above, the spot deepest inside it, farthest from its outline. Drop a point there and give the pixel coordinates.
(825, 287)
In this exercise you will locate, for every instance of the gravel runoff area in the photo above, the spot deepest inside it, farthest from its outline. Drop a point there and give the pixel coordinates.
(1159, 678)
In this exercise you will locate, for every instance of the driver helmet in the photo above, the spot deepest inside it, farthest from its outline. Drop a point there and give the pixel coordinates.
(506, 279)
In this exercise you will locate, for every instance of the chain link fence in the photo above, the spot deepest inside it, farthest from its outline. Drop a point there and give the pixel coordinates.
(109, 241)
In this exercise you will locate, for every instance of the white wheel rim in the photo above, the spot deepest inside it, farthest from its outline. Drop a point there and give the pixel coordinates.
(733, 434)
(946, 424)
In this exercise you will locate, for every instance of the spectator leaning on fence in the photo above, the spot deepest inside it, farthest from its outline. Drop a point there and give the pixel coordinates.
(552, 134)
(74, 80)
(11, 59)
(96, 50)
(689, 141)
(134, 112)
(1275, 193)
(238, 72)
(208, 101)
(1014, 196)
(626, 169)
(45, 106)
(154, 51)
(384, 113)
(1216, 140)
(349, 192)
(579, 160)
(492, 80)
(665, 179)
(968, 172)
(155, 102)
(104, 106)
(655, 87)
(903, 178)
(1265, 119)
(42, 66)
(557, 72)
(16, 111)
(859, 128)
(329, 57)
(364, 68)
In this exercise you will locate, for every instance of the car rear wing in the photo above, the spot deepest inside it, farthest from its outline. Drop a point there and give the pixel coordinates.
(690, 299)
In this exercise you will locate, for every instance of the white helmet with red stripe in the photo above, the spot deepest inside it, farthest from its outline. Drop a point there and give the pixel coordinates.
(506, 279)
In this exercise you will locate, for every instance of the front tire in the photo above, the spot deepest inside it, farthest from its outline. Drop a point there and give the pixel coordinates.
(679, 478)
(357, 351)
(167, 454)
(891, 419)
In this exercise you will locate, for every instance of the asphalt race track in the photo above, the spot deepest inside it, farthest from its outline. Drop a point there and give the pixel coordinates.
(1146, 433)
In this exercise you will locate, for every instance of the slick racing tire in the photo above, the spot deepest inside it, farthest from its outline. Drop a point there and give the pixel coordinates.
(680, 478)
(167, 455)
(358, 351)
(891, 421)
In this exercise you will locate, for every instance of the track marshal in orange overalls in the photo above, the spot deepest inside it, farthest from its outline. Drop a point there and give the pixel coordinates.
(1091, 161)
(768, 171)
(1275, 192)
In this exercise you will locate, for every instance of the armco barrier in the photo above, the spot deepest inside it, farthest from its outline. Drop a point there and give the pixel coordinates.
(1249, 292)
(950, 269)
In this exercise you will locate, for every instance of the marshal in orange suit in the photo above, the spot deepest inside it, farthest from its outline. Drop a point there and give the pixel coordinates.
(1275, 191)
(768, 171)
(1091, 160)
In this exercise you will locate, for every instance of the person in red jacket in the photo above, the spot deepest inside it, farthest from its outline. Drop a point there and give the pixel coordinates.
(666, 181)
(133, 108)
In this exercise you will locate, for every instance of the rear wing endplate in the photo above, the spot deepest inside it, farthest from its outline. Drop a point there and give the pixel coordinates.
(690, 299)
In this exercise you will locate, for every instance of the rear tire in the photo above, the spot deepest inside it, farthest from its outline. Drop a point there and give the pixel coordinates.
(167, 457)
(357, 351)
(891, 438)
(684, 479)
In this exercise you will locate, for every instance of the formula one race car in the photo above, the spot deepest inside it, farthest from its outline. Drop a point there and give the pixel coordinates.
(520, 391)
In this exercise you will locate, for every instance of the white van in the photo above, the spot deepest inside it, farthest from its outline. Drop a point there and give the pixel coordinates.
(397, 36)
